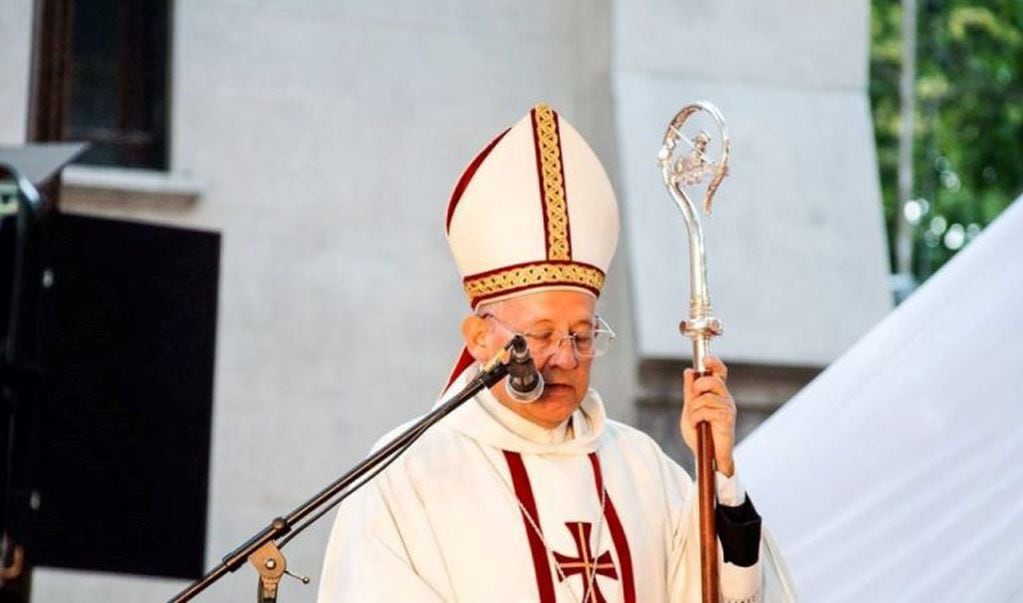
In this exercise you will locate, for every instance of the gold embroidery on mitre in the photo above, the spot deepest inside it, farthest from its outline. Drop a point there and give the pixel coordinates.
(533, 275)
(553, 184)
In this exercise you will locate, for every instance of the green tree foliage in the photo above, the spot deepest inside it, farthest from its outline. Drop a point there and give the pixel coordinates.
(968, 149)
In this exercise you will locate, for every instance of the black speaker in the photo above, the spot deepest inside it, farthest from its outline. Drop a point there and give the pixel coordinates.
(121, 444)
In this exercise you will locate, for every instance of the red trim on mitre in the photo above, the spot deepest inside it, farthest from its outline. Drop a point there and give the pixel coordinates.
(564, 181)
(465, 360)
(524, 492)
(555, 284)
(466, 178)
(535, 263)
(617, 532)
(476, 301)
(538, 155)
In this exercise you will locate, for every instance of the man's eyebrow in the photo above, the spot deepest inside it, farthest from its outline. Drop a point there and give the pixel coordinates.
(544, 322)
(539, 322)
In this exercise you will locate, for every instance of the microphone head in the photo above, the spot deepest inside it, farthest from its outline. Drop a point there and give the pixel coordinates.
(524, 397)
(524, 383)
(519, 349)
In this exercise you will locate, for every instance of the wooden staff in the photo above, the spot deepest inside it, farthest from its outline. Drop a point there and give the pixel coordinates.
(681, 174)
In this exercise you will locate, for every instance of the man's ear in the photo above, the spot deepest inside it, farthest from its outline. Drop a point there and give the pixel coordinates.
(474, 332)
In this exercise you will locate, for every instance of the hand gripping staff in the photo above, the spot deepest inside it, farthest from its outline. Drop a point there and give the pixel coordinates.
(692, 166)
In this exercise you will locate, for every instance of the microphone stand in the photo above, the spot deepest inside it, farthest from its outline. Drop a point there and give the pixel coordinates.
(19, 382)
(263, 549)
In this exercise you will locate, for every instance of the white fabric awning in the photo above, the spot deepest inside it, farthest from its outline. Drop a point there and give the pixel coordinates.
(896, 475)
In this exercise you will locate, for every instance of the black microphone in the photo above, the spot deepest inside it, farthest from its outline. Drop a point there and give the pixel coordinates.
(524, 383)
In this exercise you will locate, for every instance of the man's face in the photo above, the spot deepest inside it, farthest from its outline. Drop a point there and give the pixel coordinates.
(566, 375)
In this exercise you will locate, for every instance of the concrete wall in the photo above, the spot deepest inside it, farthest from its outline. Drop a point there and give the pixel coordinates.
(795, 248)
(15, 58)
(322, 139)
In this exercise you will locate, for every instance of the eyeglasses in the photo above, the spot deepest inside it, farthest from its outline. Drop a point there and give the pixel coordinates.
(586, 343)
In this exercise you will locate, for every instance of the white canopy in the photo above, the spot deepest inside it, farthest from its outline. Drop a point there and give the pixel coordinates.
(897, 474)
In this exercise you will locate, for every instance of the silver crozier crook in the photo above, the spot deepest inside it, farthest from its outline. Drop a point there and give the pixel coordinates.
(690, 167)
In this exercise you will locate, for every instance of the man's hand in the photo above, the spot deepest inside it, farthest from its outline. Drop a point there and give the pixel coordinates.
(707, 399)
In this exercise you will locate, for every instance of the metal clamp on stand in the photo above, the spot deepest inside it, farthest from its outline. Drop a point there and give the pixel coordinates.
(270, 564)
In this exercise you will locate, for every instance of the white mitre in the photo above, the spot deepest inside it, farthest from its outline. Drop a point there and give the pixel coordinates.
(534, 210)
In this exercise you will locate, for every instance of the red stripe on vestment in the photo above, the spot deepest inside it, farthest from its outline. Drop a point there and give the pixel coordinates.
(617, 532)
(524, 492)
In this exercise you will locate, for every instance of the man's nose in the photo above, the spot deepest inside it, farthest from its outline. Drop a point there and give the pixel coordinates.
(563, 356)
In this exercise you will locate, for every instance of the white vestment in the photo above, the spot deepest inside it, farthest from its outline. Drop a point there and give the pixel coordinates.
(487, 507)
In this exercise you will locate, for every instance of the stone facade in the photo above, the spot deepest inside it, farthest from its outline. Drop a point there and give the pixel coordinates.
(322, 139)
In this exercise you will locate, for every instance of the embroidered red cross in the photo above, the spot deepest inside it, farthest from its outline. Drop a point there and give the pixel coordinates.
(585, 565)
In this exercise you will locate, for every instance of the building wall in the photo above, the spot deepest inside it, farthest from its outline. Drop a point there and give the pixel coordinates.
(795, 247)
(322, 140)
(16, 33)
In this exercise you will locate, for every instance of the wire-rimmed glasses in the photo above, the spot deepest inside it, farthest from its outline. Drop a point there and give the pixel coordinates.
(588, 342)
